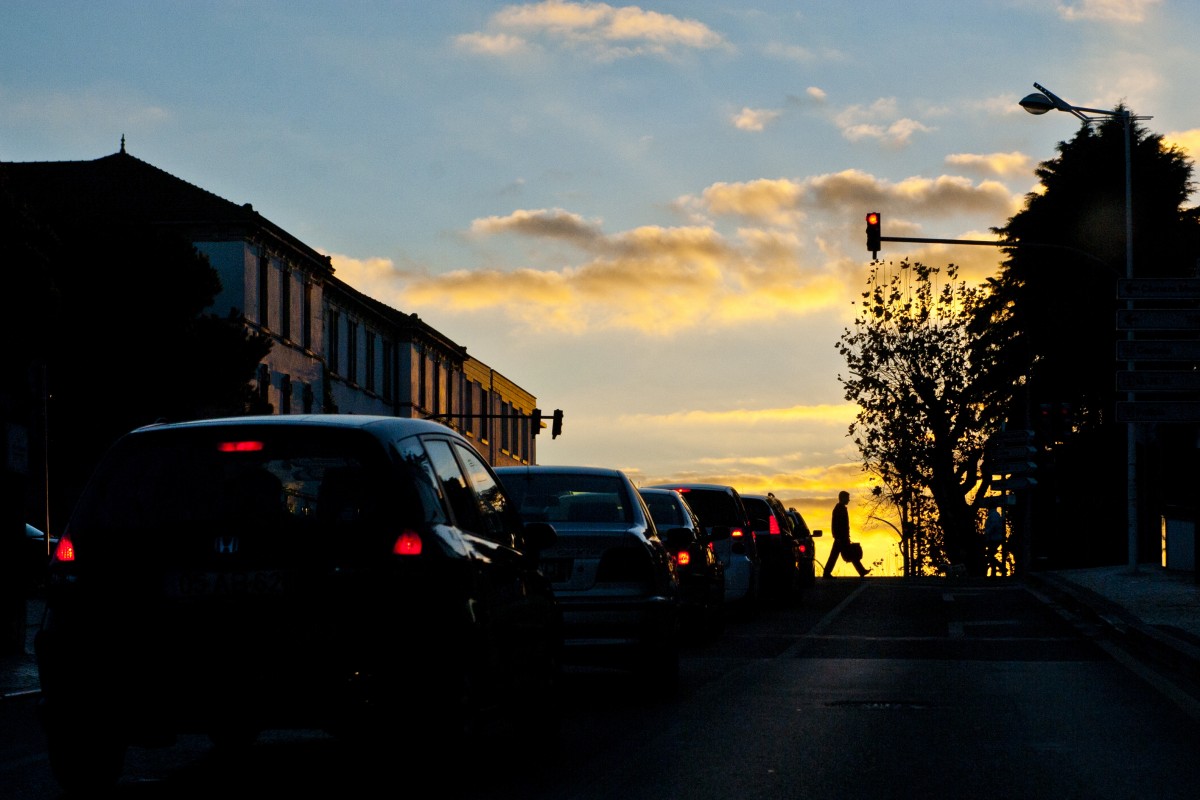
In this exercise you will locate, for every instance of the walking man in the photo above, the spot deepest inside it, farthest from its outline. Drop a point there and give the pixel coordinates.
(842, 546)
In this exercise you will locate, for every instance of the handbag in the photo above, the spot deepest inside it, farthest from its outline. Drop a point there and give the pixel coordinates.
(853, 552)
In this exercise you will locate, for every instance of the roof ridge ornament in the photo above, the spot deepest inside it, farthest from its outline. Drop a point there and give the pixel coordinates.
(122, 143)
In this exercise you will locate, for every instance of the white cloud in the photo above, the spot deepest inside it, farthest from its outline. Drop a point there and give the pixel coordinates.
(606, 31)
(1122, 12)
(754, 119)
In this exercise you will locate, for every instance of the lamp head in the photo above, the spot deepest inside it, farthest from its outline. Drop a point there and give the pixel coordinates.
(1037, 103)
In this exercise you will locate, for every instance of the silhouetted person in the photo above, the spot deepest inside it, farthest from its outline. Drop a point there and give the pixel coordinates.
(841, 538)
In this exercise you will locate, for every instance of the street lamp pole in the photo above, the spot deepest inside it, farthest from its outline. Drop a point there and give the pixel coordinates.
(1040, 102)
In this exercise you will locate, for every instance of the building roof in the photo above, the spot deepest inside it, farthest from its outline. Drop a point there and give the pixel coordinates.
(121, 186)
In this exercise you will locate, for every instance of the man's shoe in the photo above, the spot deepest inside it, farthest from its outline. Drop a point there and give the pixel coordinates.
(864, 573)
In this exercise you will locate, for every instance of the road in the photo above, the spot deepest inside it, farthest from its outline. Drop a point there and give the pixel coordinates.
(868, 689)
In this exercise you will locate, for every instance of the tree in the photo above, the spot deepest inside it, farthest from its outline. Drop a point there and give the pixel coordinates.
(1047, 324)
(925, 412)
(130, 343)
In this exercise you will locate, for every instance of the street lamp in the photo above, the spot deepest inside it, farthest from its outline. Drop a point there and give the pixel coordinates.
(1038, 103)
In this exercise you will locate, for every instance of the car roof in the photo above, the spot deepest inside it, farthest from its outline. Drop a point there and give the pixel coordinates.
(717, 487)
(560, 469)
(399, 425)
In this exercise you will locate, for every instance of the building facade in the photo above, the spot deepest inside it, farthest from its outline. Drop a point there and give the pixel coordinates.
(334, 349)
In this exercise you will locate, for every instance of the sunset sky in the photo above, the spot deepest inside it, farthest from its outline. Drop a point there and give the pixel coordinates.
(649, 216)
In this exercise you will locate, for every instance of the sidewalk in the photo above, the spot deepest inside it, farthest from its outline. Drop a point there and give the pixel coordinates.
(1153, 609)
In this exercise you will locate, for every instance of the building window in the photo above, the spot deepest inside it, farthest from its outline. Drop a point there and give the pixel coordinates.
(335, 341)
(285, 394)
(306, 397)
(285, 304)
(370, 357)
(264, 383)
(306, 316)
(422, 382)
(352, 351)
(264, 288)
(506, 426)
(388, 355)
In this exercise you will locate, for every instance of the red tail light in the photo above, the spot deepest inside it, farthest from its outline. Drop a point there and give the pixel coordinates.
(803, 549)
(773, 527)
(407, 544)
(683, 558)
(240, 447)
(736, 533)
(64, 550)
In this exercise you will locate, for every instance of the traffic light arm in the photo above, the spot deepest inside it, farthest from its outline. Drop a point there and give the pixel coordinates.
(994, 243)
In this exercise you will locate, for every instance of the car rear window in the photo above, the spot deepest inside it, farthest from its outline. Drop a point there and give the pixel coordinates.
(714, 507)
(558, 497)
(242, 478)
(665, 511)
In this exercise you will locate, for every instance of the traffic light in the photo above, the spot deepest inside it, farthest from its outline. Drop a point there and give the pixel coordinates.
(556, 429)
(535, 421)
(873, 232)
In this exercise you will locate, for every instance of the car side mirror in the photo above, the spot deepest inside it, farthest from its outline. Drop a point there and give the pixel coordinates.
(816, 533)
(539, 536)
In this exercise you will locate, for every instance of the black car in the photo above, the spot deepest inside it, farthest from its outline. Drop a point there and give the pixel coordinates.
(701, 575)
(808, 548)
(778, 547)
(724, 517)
(611, 571)
(363, 575)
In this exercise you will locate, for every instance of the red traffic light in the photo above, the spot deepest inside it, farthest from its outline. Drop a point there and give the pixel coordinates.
(873, 237)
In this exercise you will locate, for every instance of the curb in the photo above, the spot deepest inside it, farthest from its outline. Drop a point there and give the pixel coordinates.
(1166, 649)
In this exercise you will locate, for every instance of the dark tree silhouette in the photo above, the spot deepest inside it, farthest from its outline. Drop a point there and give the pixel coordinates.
(1046, 333)
(925, 413)
(131, 344)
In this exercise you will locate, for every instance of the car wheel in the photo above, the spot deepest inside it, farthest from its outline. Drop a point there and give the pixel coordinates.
(85, 759)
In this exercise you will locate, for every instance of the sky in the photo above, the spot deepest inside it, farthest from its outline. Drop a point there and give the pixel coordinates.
(649, 216)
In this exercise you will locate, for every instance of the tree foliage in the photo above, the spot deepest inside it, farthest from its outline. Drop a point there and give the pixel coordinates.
(129, 343)
(1050, 313)
(1046, 328)
(925, 411)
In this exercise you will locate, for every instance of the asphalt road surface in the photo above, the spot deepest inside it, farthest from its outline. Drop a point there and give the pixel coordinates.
(879, 688)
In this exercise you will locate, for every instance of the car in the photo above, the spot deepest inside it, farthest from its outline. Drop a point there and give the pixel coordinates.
(778, 547)
(611, 572)
(363, 575)
(724, 517)
(700, 573)
(38, 548)
(808, 548)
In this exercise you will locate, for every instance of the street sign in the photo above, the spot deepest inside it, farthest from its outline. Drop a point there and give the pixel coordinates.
(1016, 482)
(1158, 289)
(1013, 437)
(1011, 467)
(1162, 319)
(1158, 350)
(1012, 452)
(1158, 381)
(1158, 411)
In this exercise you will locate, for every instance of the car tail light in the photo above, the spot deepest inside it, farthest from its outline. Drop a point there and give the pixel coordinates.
(240, 447)
(64, 551)
(773, 526)
(407, 543)
(683, 558)
(803, 549)
(736, 533)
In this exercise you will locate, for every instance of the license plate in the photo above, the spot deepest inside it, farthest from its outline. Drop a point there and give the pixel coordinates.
(227, 584)
(556, 570)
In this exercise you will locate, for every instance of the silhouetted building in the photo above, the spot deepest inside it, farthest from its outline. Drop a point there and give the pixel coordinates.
(334, 348)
